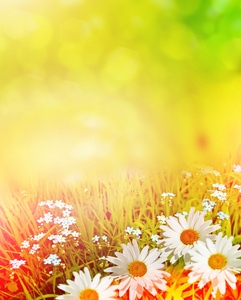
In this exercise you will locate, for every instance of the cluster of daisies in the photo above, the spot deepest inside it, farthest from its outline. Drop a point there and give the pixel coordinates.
(208, 257)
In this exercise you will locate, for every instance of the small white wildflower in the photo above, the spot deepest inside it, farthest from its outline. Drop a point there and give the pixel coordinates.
(186, 173)
(104, 238)
(161, 219)
(35, 247)
(95, 238)
(66, 213)
(49, 202)
(51, 237)
(25, 244)
(220, 186)
(59, 204)
(75, 234)
(48, 217)
(237, 168)
(58, 220)
(40, 220)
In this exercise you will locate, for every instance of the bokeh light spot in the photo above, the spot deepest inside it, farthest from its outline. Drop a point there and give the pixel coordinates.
(123, 64)
(73, 30)
(2, 44)
(164, 3)
(97, 22)
(218, 7)
(42, 35)
(232, 62)
(70, 56)
(19, 24)
(178, 42)
(33, 61)
(186, 7)
(70, 2)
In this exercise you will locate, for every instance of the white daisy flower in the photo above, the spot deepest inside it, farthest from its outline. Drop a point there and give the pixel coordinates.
(181, 234)
(216, 262)
(138, 270)
(84, 288)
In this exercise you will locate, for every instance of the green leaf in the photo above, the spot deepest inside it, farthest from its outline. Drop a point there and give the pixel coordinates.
(28, 296)
(237, 239)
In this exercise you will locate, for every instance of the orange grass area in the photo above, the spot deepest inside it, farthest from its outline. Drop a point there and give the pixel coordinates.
(179, 289)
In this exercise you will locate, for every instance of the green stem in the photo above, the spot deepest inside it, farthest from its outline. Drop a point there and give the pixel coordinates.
(46, 296)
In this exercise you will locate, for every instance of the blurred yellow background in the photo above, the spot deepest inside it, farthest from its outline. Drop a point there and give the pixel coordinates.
(103, 85)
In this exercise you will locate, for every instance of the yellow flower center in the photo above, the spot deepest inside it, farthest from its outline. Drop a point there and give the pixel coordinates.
(89, 294)
(189, 236)
(217, 261)
(137, 269)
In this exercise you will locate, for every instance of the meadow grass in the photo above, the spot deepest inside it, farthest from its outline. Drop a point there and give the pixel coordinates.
(105, 206)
